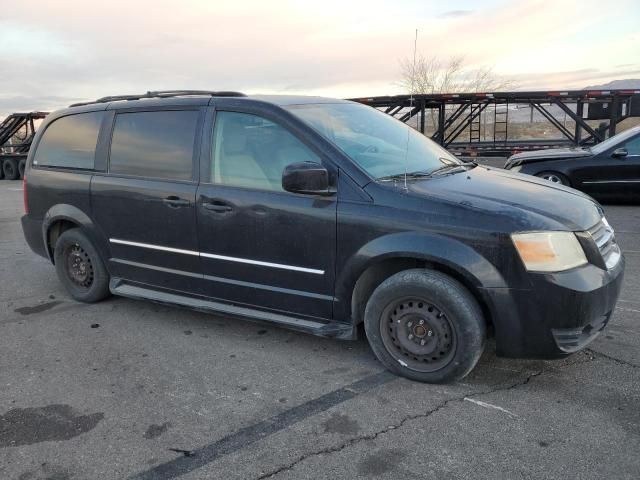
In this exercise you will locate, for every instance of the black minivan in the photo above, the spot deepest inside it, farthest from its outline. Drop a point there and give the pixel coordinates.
(318, 215)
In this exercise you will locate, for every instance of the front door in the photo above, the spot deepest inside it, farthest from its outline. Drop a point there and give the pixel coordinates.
(260, 245)
(626, 180)
(145, 204)
(614, 176)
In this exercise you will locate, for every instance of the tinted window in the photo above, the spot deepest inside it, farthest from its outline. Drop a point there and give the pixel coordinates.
(154, 144)
(618, 139)
(250, 151)
(633, 146)
(70, 142)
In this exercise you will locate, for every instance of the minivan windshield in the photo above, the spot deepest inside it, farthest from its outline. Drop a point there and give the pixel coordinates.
(384, 147)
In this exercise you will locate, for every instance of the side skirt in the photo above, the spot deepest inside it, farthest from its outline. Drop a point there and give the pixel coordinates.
(333, 329)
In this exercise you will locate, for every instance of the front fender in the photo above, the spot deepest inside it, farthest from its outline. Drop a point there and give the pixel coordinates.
(432, 248)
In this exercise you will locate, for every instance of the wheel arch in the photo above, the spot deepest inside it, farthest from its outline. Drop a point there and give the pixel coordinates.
(363, 273)
(558, 172)
(63, 217)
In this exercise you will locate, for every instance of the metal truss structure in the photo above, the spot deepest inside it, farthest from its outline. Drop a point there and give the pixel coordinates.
(455, 114)
(17, 132)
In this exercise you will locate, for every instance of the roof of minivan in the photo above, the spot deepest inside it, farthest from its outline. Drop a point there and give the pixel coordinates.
(283, 100)
(189, 100)
(204, 99)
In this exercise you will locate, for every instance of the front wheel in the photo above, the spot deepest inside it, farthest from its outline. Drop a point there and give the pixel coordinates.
(426, 326)
(80, 268)
(554, 177)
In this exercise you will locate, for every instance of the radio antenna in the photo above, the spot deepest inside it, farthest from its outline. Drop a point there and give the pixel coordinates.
(413, 83)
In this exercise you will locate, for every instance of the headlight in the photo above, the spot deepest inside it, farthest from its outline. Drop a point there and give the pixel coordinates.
(549, 251)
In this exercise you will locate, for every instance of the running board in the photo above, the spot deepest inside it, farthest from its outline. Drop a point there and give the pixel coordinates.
(340, 330)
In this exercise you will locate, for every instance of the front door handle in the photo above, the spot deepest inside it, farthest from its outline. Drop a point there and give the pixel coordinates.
(217, 206)
(175, 202)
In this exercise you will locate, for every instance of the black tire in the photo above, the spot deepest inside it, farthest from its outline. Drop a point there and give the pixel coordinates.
(10, 169)
(1, 171)
(21, 166)
(80, 268)
(555, 177)
(426, 326)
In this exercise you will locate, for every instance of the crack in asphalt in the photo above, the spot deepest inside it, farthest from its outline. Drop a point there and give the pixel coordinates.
(246, 436)
(374, 435)
(408, 418)
(619, 361)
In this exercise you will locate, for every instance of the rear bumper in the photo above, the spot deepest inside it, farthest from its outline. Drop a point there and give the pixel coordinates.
(561, 314)
(32, 230)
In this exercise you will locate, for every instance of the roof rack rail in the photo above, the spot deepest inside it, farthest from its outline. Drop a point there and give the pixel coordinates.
(162, 94)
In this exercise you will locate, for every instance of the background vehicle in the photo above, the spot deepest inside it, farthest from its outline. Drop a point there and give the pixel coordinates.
(317, 215)
(16, 134)
(610, 169)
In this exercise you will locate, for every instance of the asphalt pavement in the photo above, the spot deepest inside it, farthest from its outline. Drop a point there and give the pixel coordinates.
(130, 389)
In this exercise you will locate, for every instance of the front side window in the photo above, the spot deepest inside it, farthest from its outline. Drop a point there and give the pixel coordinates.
(155, 144)
(378, 143)
(70, 142)
(633, 146)
(615, 141)
(250, 151)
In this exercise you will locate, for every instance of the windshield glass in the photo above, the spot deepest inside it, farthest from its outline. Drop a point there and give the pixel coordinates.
(613, 141)
(380, 144)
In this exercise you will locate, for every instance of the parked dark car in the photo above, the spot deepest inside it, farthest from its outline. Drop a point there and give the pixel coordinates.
(318, 215)
(608, 170)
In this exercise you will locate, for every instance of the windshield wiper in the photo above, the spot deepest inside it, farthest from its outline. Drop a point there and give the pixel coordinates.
(426, 174)
(449, 167)
(396, 176)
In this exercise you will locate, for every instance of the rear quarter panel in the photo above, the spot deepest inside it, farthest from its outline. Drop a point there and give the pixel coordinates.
(49, 187)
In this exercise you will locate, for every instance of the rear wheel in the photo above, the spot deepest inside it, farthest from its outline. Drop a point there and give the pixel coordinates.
(554, 177)
(10, 169)
(425, 326)
(80, 268)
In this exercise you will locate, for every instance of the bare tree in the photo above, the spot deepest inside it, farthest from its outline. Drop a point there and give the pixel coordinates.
(428, 75)
(433, 75)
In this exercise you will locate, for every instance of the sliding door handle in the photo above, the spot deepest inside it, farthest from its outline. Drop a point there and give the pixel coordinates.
(176, 202)
(218, 207)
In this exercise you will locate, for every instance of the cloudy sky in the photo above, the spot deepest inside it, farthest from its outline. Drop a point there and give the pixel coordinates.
(58, 52)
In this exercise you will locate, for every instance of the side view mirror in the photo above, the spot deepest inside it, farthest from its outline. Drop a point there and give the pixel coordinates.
(620, 152)
(306, 177)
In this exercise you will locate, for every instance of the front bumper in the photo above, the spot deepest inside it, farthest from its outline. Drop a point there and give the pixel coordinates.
(561, 314)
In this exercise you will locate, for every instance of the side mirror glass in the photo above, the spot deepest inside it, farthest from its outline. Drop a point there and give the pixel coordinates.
(620, 152)
(306, 177)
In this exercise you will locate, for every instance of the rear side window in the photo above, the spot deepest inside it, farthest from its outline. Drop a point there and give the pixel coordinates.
(154, 144)
(70, 142)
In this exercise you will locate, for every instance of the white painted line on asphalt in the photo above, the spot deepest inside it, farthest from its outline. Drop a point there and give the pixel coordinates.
(628, 301)
(489, 405)
(15, 189)
(628, 309)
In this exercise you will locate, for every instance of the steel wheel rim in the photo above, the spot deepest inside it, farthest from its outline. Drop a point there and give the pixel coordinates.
(418, 334)
(79, 267)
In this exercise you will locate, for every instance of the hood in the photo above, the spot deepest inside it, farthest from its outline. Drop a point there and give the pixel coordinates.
(531, 202)
(550, 154)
